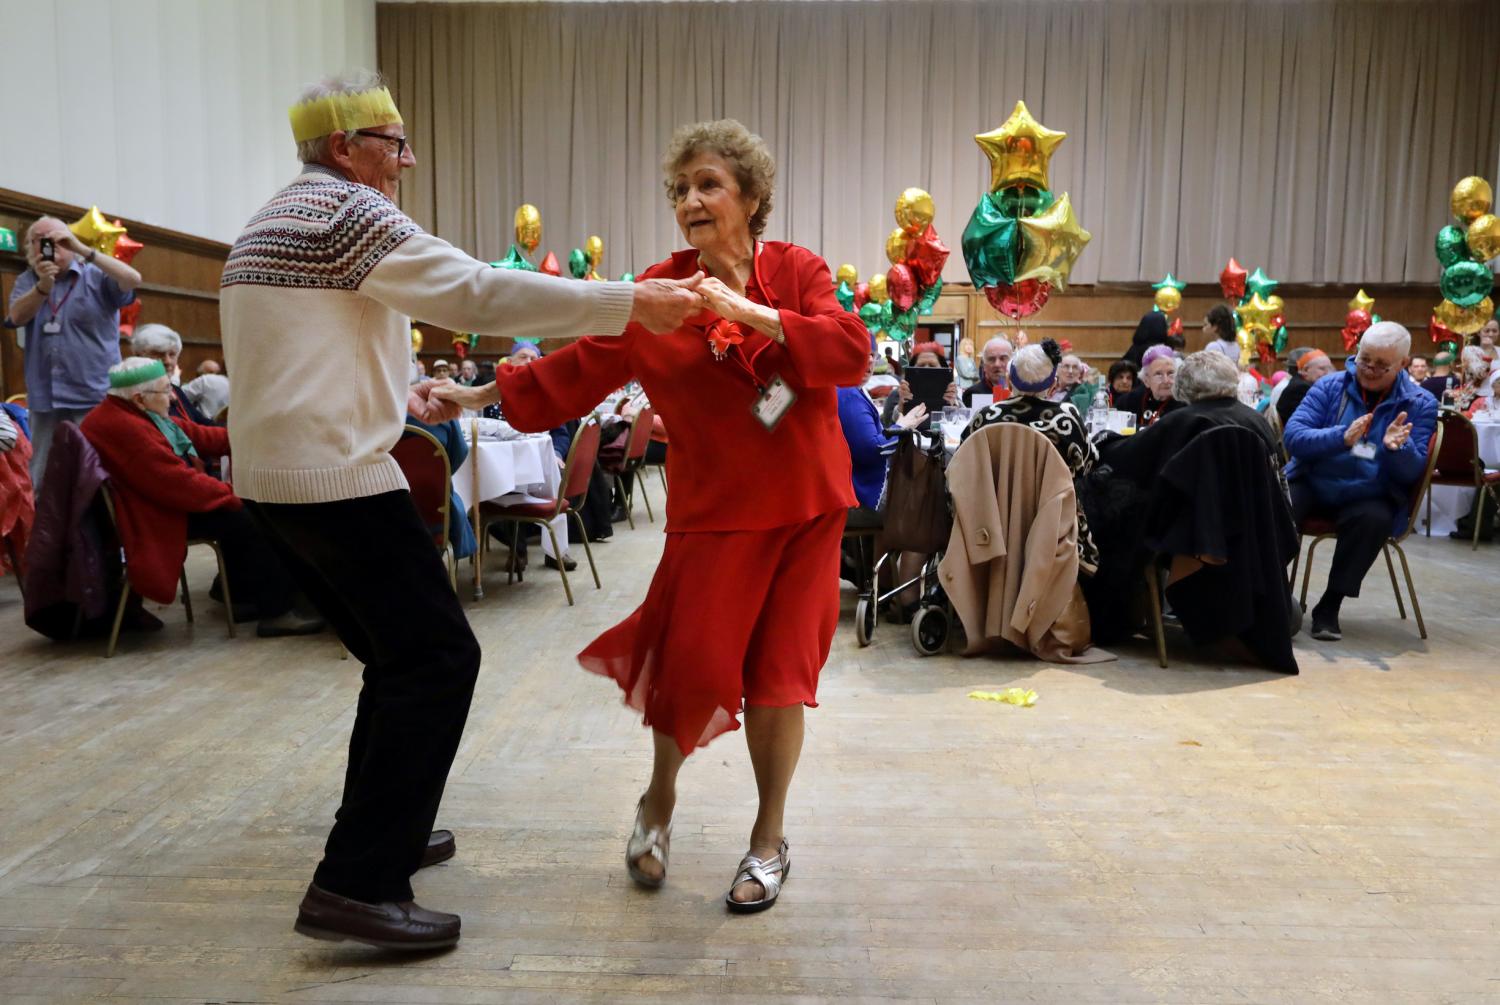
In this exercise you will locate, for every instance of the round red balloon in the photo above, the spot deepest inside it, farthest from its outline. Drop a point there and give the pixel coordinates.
(902, 287)
(1020, 300)
(861, 295)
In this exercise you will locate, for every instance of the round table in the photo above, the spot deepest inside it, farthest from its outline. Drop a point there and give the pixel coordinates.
(1450, 502)
(522, 469)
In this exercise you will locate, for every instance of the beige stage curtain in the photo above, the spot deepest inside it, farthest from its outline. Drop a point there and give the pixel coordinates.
(1316, 139)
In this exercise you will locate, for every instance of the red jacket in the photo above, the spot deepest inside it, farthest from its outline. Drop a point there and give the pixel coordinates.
(155, 490)
(726, 471)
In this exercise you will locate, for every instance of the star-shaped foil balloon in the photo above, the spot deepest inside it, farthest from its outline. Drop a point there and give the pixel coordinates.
(1019, 150)
(1053, 242)
(94, 230)
(1257, 312)
(1260, 283)
(1170, 282)
(1232, 280)
(514, 260)
(1361, 301)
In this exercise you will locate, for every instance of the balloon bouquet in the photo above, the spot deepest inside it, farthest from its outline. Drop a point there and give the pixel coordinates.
(891, 303)
(1021, 241)
(95, 230)
(1260, 325)
(1167, 298)
(1360, 317)
(1463, 252)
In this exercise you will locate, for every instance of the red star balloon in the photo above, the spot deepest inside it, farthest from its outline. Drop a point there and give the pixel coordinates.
(1440, 332)
(1175, 328)
(1232, 280)
(928, 256)
(550, 265)
(129, 315)
(127, 247)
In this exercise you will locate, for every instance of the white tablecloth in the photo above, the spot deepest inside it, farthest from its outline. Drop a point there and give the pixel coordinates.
(1449, 502)
(512, 471)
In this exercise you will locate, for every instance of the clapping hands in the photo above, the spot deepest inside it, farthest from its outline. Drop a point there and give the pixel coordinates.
(1397, 433)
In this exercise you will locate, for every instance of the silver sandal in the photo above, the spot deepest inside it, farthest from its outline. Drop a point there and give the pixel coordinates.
(655, 842)
(770, 875)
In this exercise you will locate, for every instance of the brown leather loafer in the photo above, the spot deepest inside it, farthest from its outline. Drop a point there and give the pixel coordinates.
(389, 925)
(440, 848)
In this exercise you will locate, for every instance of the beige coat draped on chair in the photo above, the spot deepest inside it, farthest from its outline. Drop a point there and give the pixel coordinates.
(1011, 568)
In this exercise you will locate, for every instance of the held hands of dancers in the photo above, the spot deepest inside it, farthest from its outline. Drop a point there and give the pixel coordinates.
(662, 305)
(428, 401)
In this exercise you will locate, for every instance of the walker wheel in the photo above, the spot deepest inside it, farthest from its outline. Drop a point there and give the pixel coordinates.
(864, 621)
(929, 630)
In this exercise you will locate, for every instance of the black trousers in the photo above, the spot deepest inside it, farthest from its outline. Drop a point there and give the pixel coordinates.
(371, 569)
(1363, 528)
(256, 573)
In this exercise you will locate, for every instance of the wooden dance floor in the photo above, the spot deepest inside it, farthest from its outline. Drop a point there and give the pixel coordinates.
(1193, 834)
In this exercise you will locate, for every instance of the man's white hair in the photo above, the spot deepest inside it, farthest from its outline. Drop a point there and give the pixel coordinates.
(135, 363)
(1387, 335)
(1203, 376)
(315, 150)
(996, 341)
(155, 338)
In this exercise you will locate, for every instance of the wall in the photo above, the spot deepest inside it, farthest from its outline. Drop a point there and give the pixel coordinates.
(172, 111)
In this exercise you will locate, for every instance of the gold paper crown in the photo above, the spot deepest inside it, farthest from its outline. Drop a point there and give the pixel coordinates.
(334, 113)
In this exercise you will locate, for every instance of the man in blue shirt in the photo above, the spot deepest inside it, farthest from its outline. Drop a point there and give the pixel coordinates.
(70, 305)
(1358, 443)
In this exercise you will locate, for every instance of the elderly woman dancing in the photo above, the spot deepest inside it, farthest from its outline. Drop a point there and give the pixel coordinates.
(742, 609)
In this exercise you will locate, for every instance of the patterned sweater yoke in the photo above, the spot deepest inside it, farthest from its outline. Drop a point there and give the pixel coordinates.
(321, 232)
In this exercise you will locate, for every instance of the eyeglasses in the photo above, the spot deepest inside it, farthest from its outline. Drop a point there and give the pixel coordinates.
(1374, 368)
(400, 141)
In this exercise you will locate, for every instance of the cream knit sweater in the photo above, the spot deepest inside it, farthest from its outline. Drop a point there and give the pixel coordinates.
(315, 304)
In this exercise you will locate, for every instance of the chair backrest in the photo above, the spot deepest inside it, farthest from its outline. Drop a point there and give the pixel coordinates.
(640, 435)
(1420, 489)
(424, 462)
(579, 467)
(1459, 455)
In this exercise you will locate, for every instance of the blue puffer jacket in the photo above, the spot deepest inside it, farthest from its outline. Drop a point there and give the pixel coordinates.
(1315, 439)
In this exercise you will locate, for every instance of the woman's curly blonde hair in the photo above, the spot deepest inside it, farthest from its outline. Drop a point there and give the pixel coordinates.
(754, 167)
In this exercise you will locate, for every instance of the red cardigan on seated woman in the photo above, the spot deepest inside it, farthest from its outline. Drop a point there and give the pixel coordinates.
(155, 488)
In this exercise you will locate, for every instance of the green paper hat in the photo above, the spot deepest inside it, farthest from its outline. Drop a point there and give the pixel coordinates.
(131, 376)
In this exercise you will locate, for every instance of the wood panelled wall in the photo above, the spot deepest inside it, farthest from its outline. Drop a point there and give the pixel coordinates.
(1100, 320)
(180, 283)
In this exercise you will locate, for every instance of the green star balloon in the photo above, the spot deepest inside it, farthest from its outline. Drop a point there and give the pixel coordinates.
(845, 296)
(514, 260)
(1260, 283)
(1170, 282)
(991, 242)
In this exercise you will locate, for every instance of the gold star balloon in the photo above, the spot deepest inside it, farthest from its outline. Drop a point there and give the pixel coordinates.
(1053, 241)
(1256, 313)
(94, 230)
(1361, 301)
(1019, 150)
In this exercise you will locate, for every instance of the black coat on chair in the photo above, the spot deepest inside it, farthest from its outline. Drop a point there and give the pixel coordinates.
(1219, 500)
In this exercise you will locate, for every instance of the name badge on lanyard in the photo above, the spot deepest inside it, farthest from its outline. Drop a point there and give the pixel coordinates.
(773, 403)
(53, 327)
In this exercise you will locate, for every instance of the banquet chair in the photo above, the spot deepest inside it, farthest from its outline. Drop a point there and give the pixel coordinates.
(424, 462)
(635, 461)
(1319, 529)
(1459, 464)
(107, 495)
(17, 399)
(577, 471)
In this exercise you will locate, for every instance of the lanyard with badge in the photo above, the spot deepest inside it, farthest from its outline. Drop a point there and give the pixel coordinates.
(1364, 449)
(774, 397)
(53, 325)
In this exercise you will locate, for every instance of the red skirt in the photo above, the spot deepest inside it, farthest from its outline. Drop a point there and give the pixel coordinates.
(732, 618)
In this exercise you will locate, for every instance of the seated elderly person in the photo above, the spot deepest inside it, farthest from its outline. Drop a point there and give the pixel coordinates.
(924, 355)
(209, 390)
(159, 342)
(1123, 384)
(1312, 367)
(163, 498)
(994, 368)
(870, 441)
(1072, 383)
(1477, 386)
(1157, 372)
(1358, 444)
(1033, 371)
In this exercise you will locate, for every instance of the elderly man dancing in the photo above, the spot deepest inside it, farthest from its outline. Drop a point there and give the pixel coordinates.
(331, 268)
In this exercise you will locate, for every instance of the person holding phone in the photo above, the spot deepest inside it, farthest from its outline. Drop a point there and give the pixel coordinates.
(69, 300)
(924, 356)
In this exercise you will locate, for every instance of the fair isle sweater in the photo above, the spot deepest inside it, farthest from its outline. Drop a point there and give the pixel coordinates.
(325, 279)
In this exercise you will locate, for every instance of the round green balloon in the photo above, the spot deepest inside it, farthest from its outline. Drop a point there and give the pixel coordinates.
(1467, 283)
(1453, 247)
(578, 263)
(1023, 200)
